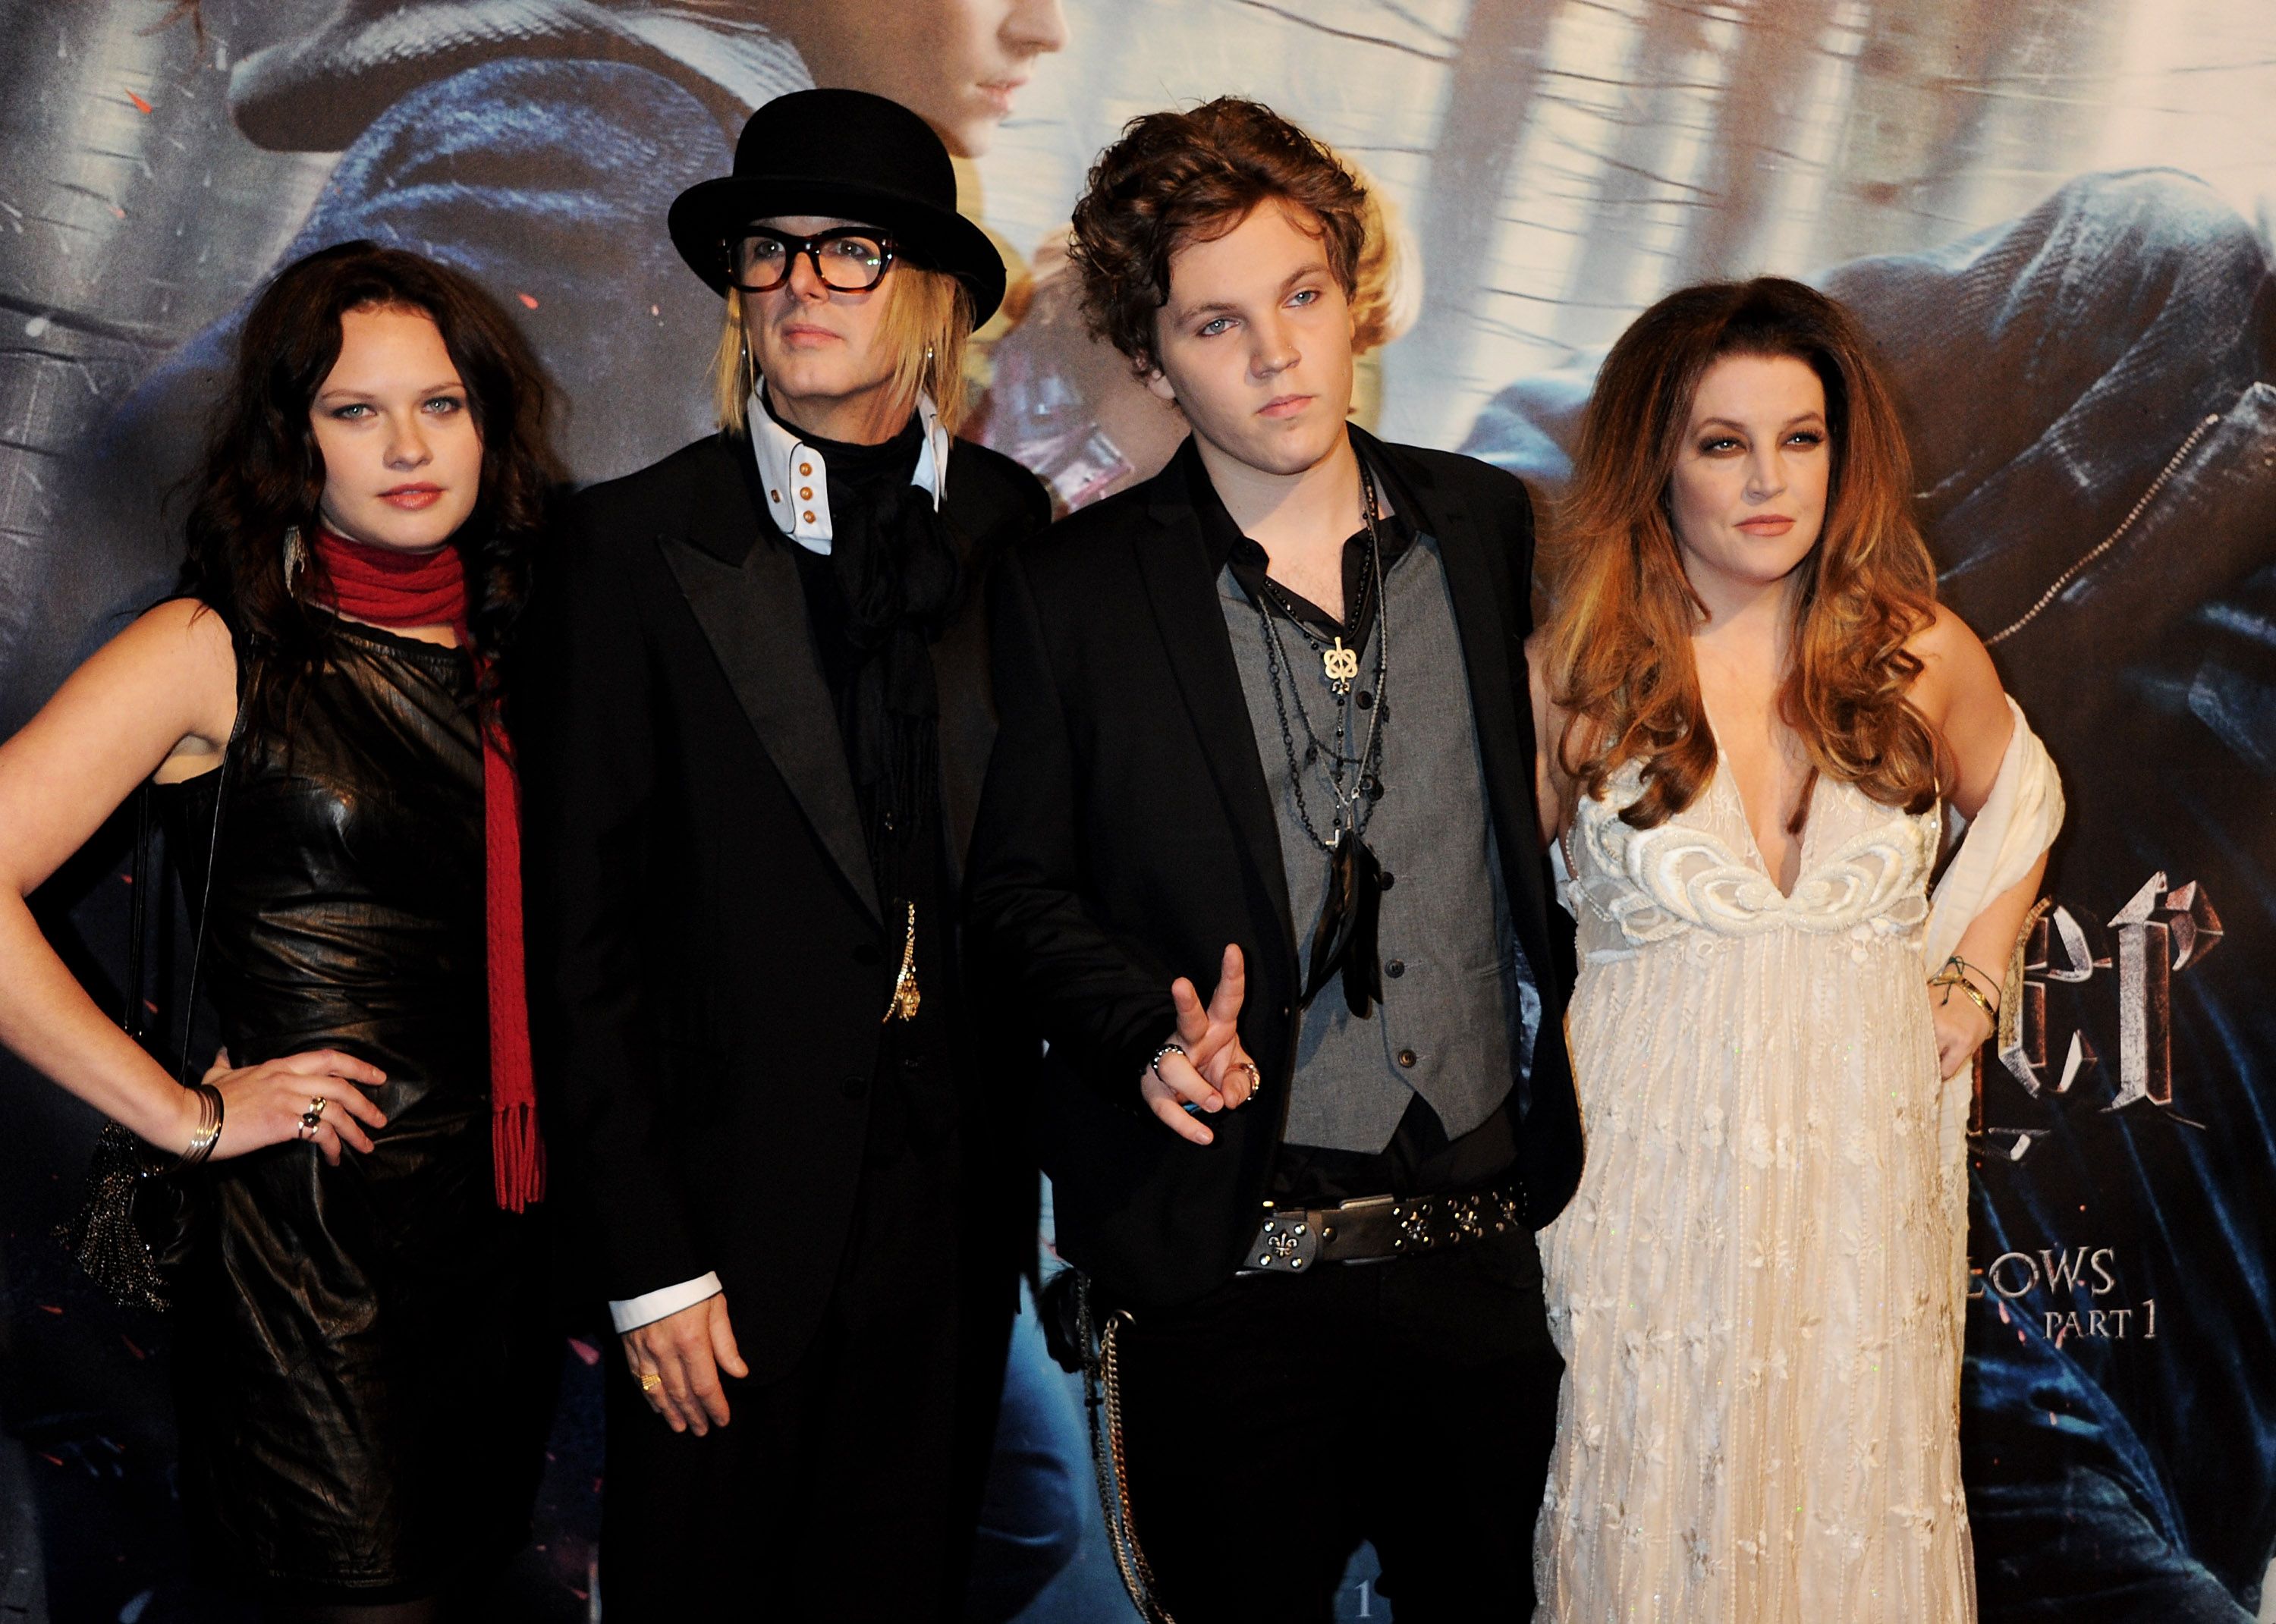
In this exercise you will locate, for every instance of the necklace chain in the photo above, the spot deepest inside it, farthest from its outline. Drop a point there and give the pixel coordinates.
(1354, 810)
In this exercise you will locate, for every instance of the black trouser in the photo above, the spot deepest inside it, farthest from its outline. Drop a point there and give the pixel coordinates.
(1276, 1423)
(835, 1492)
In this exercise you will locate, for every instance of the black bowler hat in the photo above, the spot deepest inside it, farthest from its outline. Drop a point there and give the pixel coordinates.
(848, 155)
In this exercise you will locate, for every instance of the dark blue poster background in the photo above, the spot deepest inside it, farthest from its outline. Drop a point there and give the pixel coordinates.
(2051, 214)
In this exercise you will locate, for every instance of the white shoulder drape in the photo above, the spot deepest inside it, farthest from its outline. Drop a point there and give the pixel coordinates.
(2018, 821)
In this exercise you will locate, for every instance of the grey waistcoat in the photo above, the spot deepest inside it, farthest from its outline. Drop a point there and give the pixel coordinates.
(1457, 992)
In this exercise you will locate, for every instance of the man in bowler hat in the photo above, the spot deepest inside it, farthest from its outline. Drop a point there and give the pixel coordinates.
(763, 712)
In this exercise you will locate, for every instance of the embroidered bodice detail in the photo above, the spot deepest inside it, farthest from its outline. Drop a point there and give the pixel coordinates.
(1864, 867)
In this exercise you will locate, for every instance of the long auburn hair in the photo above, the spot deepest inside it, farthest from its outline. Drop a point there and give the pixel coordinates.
(1619, 639)
(262, 474)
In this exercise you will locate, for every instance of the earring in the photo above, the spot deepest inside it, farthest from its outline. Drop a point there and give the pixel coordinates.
(296, 557)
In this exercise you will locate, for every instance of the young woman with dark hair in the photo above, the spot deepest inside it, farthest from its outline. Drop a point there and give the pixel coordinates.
(363, 1384)
(1752, 714)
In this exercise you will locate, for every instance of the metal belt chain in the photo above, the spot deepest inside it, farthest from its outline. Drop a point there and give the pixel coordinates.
(1102, 1397)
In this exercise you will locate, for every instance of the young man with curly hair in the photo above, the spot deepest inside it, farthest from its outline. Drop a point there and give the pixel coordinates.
(1260, 853)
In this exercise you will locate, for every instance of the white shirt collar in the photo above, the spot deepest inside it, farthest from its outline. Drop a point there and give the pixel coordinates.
(797, 480)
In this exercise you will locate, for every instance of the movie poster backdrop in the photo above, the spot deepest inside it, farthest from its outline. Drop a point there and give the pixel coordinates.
(2051, 215)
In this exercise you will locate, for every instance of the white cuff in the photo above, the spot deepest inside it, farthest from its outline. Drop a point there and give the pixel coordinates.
(651, 1305)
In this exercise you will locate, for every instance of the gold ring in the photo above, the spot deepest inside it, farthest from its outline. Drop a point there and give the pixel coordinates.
(1255, 1078)
(650, 1381)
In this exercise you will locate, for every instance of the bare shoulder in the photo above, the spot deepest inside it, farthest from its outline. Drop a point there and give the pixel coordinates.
(1538, 677)
(1552, 788)
(156, 699)
(1959, 696)
(180, 629)
(1956, 669)
(176, 663)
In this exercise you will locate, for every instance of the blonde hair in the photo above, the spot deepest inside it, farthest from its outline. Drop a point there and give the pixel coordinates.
(1386, 293)
(927, 320)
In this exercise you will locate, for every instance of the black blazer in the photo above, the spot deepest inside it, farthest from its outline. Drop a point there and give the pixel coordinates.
(1127, 835)
(709, 964)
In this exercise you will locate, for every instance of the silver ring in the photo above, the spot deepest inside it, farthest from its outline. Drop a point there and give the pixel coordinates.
(1255, 1079)
(1190, 1107)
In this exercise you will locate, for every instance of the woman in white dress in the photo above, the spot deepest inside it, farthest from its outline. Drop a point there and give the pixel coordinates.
(1754, 714)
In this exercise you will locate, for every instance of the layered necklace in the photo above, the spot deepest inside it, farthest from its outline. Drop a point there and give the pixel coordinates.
(1344, 940)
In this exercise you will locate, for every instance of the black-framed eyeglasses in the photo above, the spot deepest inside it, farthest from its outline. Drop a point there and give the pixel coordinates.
(850, 258)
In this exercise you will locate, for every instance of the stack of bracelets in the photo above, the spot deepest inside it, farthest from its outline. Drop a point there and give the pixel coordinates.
(1954, 974)
(209, 1129)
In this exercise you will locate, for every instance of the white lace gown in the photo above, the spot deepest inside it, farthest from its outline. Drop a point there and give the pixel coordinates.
(1757, 1289)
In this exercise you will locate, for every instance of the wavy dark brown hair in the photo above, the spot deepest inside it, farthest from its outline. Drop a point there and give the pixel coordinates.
(1619, 639)
(1175, 177)
(262, 474)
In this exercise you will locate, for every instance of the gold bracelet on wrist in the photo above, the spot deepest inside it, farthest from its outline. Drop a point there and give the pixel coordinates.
(1949, 978)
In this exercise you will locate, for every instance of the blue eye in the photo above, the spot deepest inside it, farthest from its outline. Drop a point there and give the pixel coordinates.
(1211, 328)
(1305, 296)
(444, 403)
(348, 413)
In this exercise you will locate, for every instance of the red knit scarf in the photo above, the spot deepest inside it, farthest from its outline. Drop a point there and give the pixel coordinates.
(400, 589)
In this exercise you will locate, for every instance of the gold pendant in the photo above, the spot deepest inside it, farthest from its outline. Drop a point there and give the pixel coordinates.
(903, 1005)
(1340, 664)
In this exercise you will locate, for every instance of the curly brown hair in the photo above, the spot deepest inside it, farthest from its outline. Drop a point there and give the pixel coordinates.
(1176, 177)
(1618, 656)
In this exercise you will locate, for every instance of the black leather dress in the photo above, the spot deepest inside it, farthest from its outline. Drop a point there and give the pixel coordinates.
(365, 1376)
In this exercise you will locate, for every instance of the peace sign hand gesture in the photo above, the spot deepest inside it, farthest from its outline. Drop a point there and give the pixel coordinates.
(1215, 1072)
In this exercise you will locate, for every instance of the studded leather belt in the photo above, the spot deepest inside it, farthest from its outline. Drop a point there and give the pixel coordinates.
(1290, 1241)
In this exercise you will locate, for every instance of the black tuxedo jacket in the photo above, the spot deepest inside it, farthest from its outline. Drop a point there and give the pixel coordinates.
(1127, 835)
(709, 963)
